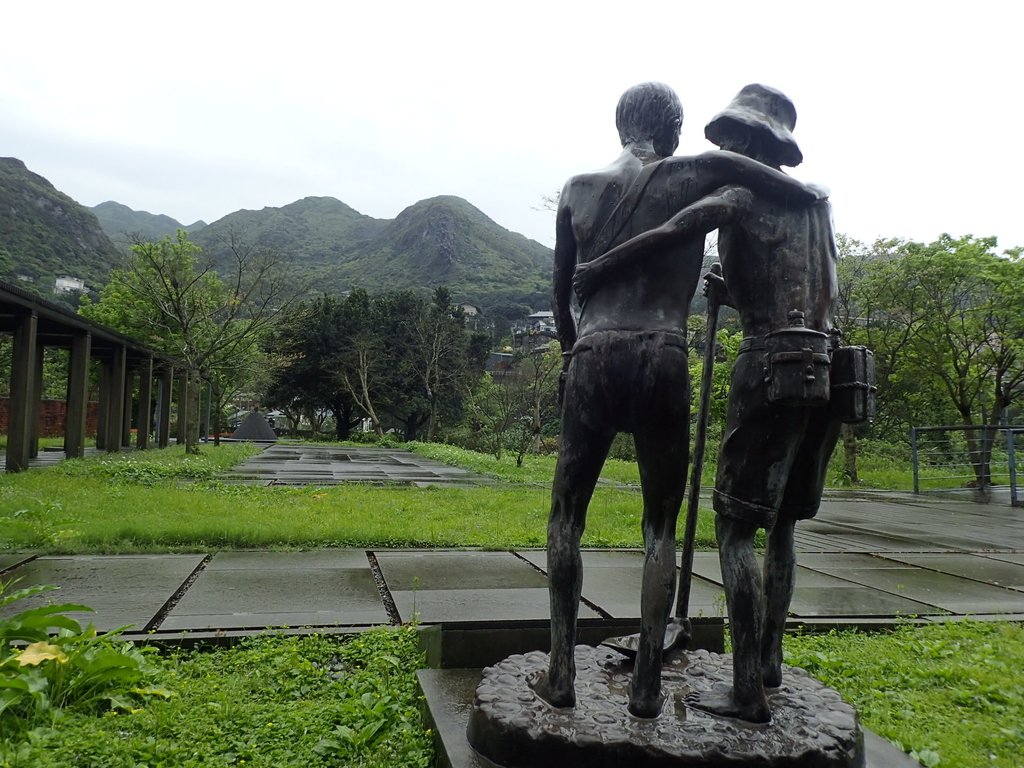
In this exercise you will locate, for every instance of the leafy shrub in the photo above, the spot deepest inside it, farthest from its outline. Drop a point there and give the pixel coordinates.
(272, 701)
(75, 669)
(156, 466)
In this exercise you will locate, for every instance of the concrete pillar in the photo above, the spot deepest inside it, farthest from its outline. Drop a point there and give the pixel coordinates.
(78, 396)
(23, 376)
(126, 425)
(37, 401)
(115, 400)
(163, 437)
(144, 421)
(104, 404)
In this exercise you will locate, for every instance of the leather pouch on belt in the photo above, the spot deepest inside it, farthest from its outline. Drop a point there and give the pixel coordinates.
(796, 364)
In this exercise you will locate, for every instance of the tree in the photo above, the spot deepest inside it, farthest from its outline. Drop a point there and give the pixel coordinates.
(169, 296)
(511, 407)
(432, 361)
(363, 362)
(946, 322)
(439, 355)
(401, 361)
(307, 348)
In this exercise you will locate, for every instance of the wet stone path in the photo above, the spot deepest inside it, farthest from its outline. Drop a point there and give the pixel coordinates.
(333, 465)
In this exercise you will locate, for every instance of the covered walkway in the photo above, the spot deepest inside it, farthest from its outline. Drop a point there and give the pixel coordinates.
(133, 378)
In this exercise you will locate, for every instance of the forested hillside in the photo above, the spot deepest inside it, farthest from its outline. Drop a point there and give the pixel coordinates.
(45, 234)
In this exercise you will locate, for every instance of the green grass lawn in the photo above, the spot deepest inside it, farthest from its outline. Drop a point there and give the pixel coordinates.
(163, 501)
(950, 694)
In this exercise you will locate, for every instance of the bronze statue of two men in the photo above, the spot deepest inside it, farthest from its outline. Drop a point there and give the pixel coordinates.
(631, 239)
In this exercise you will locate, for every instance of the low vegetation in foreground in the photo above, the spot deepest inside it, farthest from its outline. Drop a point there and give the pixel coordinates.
(271, 702)
(951, 694)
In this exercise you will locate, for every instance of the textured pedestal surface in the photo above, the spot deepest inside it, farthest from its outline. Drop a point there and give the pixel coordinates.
(811, 725)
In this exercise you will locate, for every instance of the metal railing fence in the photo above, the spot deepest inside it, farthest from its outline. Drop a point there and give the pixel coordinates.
(981, 458)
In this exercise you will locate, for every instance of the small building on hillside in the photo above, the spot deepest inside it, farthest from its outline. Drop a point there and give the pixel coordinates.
(472, 316)
(66, 284)
(534, 330)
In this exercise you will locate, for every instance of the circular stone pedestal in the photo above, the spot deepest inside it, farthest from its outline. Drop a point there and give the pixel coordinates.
(811, 726)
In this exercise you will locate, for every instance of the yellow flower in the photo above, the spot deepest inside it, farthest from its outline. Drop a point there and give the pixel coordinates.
(37, 653)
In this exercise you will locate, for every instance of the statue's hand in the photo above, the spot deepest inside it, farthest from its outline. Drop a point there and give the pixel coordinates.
(585, 280)
(715, 288)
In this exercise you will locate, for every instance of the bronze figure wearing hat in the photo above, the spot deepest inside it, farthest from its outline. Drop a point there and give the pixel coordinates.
(779, 272)
(626, 364)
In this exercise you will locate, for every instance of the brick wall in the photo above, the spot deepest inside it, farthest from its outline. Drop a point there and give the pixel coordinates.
(51, 417)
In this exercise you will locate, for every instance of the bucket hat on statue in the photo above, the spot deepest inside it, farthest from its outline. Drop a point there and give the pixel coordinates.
(765, 111)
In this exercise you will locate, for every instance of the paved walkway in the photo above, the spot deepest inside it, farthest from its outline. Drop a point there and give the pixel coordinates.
(311, 464)
(861, 561)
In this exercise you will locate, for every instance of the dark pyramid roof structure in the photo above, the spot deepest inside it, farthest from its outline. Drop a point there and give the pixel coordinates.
(255, 428)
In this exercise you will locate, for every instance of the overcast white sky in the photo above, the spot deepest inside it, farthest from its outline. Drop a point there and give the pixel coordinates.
(910, 112)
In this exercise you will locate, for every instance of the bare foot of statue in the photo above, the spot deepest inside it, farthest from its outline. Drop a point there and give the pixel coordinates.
(645, 705)
(560, 698)
(724, 705)
(771, 672)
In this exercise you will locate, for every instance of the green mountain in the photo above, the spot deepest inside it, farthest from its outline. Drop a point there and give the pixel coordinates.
(314, 234)
(121, 223)
(326, 246)
(440, 241)
(44, 234)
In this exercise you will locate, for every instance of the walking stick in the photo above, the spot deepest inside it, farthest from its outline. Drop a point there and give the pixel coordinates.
(699, 441)
(678, 631)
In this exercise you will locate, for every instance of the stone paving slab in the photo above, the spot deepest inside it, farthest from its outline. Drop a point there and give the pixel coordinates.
(924, 524)
(1006, 557)
(466, 586)
(307, 560)
(823, 591)
(426, 570)
(309, 464)
(850, 600)
(262, 589)
(952, 594)
(617, 591)
(612, 581)
(436, 606)
(836, 539)
(705, 565)
(842, 538)
(840, 561)
(9, 561)
(996, 572)
(121, 589)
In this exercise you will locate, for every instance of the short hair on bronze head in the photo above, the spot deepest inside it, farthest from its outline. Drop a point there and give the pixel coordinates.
(645, 110)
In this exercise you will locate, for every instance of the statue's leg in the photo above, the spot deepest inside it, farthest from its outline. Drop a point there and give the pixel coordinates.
(662, 457)
(741, 577)
(580, 458)
(779, 573)
(815, 437)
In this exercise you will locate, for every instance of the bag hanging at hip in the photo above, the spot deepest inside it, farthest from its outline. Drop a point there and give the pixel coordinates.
(853, 384)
